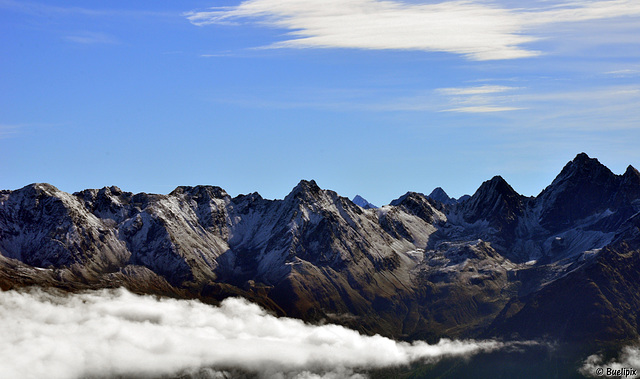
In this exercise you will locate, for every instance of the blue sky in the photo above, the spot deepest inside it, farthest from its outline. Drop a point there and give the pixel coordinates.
(364, 96)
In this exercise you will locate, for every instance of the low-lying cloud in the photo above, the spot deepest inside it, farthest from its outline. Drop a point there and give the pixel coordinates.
(111, 333)
(629, 360)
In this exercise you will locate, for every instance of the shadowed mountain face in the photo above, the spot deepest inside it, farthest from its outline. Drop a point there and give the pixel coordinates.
(440, 196)
(585, 188)
(562, 265)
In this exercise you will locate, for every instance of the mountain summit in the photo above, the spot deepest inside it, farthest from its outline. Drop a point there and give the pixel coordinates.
(359, 200)
(583, 188)
(438, 194)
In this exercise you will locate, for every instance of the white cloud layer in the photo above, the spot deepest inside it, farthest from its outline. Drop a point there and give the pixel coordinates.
(109, 333)
(479, 30)
(595, 365)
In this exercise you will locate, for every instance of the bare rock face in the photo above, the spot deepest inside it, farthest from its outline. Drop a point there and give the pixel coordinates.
(558, 265)
(584, 188)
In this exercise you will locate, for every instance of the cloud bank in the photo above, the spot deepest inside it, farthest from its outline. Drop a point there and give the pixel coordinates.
(110, 333)
(629, 359)
(479, 30)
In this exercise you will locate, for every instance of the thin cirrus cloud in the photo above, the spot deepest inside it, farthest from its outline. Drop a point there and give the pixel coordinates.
(113, 333)
(479, 99)
(7, 131)
(474, 29)
(91, 38)
(481, 109)
(479, 90)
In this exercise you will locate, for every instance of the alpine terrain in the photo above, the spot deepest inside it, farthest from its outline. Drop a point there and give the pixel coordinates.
(561, 267)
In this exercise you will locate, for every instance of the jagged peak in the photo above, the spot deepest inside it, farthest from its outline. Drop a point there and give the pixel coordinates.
(362, 202)
(213, 192)
(630, 183)
(581, 170)
(255, 196)
(305, 188)
(410, 195)
(102, 193)
(495, 200)
(307, 185)
(438, 194)
(582, 157)
(115, 190)
(496, 185)
(438, 191)
(112, 190)
(417, 204)
(489, 191)
(582, 165)
(631, 172)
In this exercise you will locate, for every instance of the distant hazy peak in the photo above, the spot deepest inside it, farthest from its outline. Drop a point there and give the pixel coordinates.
(362, 202)
(438, 194)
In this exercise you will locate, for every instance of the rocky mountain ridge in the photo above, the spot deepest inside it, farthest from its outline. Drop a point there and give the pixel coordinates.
(497, 264)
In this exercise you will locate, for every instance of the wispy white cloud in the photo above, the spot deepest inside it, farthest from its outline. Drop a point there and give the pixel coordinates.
(115, 333)
(599, 108)
(481, 109)
(90, 38)
(480, 90)
(7, 131)
(599, 94)
(623, 73)
(578, 11)
(48, 10)
(575, 109)
(218, 55)
(560, 104)
(475, 29)
(479, 99)
(41, 8)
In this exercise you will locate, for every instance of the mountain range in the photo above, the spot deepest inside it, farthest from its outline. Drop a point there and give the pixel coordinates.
(561, 266)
